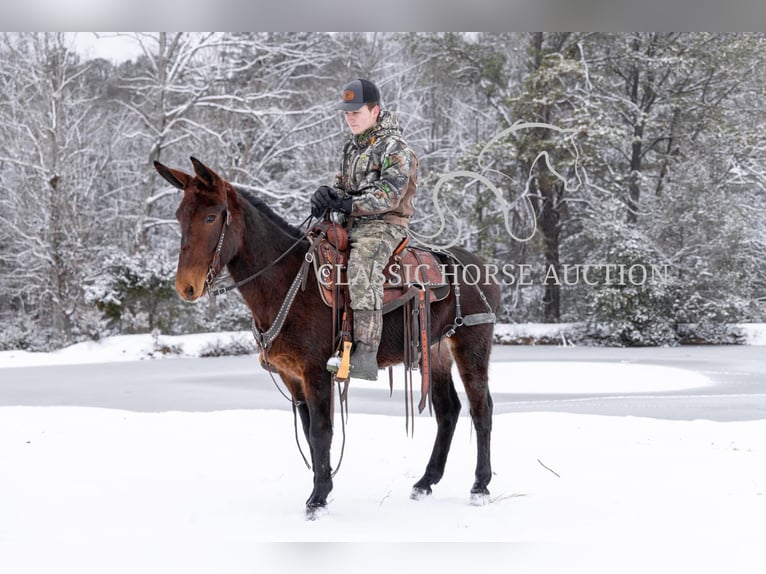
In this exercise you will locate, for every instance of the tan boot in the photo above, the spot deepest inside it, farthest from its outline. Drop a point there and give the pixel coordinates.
(367, 329)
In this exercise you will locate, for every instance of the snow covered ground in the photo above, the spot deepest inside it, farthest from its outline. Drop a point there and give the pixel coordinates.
(106, 490)
(122, 348)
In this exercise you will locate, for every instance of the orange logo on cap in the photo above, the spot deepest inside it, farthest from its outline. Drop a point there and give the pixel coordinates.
(348, 96)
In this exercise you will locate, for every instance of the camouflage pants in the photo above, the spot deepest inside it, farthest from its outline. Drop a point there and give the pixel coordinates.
(372, 243)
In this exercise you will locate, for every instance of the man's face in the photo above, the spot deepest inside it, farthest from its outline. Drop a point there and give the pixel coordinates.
(362, 119)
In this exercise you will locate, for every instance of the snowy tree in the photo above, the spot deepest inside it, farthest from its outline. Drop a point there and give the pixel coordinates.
(176, 72)
(533, 79)
(279, 129)
(641, 149)
(676, 97)
(52, 159)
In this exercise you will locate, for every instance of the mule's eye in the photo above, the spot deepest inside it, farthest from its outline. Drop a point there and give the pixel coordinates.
(210, 218)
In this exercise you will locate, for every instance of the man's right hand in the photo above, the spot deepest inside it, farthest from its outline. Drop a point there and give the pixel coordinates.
(319, 201)
(324, 198)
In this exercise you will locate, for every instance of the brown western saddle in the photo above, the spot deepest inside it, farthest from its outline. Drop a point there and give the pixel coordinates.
(414, 280)
(409, 268)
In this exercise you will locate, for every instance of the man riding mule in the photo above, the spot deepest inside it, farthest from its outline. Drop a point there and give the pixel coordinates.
(268, 260)
(372, 196)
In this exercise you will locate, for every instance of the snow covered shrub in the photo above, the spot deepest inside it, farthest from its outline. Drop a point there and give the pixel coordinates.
(234, 346)
(160, 347)
(225, 313)
(710, 334)
(633, 315)
(136, 293)
(560, 334)
(24, 332)
(20, 334)
(633, 299)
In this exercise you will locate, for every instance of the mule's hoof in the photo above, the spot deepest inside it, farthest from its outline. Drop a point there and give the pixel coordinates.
(419, 493)
(480, 498)
(315, 512)
(479, 495)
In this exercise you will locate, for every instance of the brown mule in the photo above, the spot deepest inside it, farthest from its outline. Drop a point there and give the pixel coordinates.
(223, 227)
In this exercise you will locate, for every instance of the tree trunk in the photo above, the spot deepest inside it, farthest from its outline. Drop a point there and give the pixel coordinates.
(549, 220)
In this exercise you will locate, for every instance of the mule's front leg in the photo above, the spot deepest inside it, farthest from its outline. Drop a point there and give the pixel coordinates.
(320, 438)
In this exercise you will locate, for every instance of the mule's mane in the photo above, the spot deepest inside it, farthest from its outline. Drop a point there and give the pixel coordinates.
(270, 214)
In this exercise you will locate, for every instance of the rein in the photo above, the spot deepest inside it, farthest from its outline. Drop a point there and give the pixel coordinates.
(264, 339)
(212, 272)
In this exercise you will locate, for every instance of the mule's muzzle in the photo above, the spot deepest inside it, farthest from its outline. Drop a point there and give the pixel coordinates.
(189, 290)
(189, 293)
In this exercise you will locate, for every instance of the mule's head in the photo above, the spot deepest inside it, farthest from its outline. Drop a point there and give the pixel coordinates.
(204, 216)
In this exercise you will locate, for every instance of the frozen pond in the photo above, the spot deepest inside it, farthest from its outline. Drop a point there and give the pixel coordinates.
(723, 383)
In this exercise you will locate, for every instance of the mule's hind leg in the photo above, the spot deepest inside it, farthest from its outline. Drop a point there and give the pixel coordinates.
(446, 406)
(471, 350)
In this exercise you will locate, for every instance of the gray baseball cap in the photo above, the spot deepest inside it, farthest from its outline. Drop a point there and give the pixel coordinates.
(357, 93)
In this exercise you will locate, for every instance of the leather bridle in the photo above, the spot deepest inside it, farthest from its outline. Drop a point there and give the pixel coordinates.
(215, 265)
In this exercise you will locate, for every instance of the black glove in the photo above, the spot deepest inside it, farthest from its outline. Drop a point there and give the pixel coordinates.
(317, 208)
(325, 198)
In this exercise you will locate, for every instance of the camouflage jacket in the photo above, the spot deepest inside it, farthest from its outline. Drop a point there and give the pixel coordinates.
(379, 171)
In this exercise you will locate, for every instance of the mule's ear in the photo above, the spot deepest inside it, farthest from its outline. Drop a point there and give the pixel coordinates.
(174, 177)
(204, 173)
